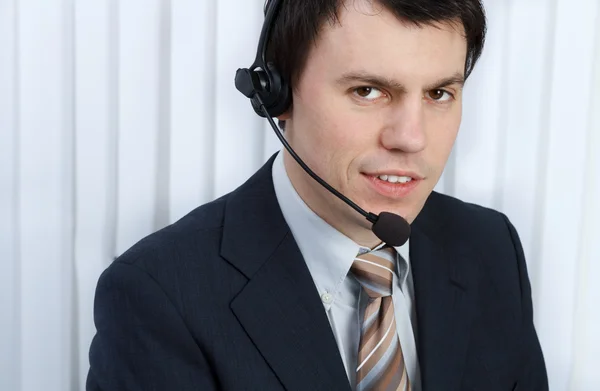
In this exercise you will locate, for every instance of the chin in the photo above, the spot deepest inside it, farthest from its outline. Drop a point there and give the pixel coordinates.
(407, 212)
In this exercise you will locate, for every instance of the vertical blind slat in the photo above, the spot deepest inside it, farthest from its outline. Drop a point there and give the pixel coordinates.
(45, 153)
(95, 155)
(478, 140)
(525, 70)
(238, 144)
(9, 260)
(192, 105)
(139, 118)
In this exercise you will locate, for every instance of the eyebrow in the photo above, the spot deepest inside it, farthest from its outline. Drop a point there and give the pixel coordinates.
(378, 81)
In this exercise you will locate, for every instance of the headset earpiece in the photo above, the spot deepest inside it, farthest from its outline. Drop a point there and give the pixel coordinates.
(248, 82)
(276, 95)
(274, 92)
(265, 81)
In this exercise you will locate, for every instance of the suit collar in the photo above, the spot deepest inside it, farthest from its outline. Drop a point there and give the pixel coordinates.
(445, 280)
(253, 225)
(279, 307)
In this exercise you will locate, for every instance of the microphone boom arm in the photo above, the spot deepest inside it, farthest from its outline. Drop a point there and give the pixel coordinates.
(369, 216)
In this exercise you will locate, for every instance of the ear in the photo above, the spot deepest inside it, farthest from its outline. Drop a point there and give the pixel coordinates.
(285, 116)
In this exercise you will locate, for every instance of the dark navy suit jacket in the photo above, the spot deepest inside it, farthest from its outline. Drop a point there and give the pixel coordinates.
(223, 300)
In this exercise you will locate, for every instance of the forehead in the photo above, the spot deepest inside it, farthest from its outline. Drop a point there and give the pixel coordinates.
(371, 38)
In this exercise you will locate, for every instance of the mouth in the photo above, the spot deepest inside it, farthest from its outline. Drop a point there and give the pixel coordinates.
(394, 185)
(395, 178)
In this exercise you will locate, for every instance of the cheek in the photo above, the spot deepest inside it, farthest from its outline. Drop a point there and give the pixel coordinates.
(333, 134)
(336, 134)
(352, 138)
(442, 132)
(321, 138)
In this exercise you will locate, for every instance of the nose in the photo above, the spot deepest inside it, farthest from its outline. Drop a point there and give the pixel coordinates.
(405, 127)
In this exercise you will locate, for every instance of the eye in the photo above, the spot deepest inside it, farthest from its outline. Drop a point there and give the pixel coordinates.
(440, 95)
(368, 93)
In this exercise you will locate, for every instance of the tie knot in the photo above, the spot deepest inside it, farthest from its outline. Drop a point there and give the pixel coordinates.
(375, 271)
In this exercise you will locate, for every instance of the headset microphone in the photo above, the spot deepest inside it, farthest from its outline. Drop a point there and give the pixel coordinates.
(271, 96)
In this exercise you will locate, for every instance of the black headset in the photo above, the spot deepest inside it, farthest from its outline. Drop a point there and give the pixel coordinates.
(263, 78)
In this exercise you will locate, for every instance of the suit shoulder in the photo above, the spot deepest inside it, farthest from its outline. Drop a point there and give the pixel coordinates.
(458, 222)
(199, 229)
(466, 216)
(486, 231)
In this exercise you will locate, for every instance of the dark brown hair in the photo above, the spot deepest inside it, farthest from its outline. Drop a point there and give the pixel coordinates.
(298, 23)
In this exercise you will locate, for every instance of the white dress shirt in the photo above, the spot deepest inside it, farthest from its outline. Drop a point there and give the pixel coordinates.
(329, 255)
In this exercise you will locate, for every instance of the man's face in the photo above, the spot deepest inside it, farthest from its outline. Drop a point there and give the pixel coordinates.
(378, 102)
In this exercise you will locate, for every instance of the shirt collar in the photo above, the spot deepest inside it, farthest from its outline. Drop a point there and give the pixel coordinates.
(328, 253)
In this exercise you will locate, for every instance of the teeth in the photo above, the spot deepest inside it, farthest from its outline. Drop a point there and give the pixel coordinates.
(395, 179)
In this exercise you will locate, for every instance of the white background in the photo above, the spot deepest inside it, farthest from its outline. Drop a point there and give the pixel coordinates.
(119, 116)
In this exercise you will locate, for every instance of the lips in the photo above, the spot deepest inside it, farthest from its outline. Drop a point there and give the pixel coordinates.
(395, 185)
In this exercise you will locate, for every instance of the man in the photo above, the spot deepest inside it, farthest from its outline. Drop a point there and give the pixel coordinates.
(281, 286)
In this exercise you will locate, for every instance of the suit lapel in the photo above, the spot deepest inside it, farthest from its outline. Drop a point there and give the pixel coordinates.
(445, 280)
(279, 307)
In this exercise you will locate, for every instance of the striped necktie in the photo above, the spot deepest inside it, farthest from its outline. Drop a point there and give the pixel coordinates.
(380, 364)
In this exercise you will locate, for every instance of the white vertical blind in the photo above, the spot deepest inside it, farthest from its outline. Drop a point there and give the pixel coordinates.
(10, 320)
(526, 116)
(96, 127)
(478, 148)
(140, 85)
(45, 190)
(193, 116)
(119, 117)
(238, 131)
(565, 181)
(586, 341)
